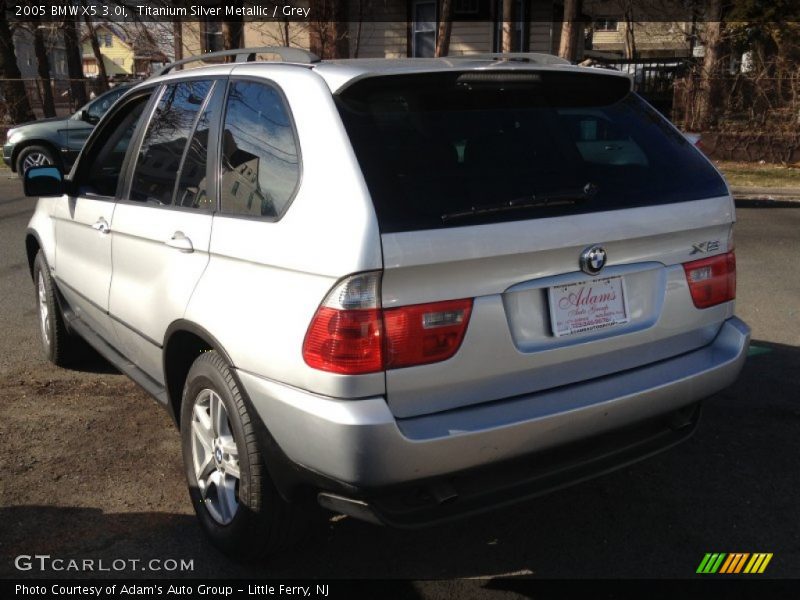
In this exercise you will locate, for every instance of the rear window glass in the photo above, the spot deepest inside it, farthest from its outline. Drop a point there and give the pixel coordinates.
(455, 149)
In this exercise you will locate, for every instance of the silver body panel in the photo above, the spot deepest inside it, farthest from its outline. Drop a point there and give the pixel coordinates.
(512, 388)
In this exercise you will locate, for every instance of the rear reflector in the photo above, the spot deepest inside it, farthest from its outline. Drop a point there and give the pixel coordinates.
(351, 334)
(712, 280)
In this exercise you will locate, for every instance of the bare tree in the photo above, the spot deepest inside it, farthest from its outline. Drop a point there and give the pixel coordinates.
(445, 27)
(18, 105)
(328, 35)
(712, 62)
(570, 30)
(629, 18)
(43, 68)
(74, 61)
(177, 40)
(509, 25)
(102, 76)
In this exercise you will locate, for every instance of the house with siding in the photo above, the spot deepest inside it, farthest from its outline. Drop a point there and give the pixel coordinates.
(407, 28)
(122, 55)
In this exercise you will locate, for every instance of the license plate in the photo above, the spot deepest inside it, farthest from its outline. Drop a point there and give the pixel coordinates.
(588, 305)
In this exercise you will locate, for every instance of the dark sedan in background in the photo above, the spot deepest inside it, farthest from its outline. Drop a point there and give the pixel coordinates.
(56, 141)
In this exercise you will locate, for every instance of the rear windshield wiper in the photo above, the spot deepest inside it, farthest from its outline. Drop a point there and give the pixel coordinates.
(565, 198)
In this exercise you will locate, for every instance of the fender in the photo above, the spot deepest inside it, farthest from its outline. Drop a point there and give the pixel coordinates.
(288, 477)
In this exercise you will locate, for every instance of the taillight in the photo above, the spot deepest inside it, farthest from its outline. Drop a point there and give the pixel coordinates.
(351, 334)
(346, 333)
(712, 280)
(424, 333)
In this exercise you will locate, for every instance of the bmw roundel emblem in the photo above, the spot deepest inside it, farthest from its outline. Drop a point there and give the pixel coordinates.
(593, 259)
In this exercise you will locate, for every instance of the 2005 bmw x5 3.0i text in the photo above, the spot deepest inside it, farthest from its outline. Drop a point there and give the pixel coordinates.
(403, 290)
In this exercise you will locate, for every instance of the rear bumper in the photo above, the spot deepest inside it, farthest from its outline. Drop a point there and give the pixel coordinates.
(359, 445)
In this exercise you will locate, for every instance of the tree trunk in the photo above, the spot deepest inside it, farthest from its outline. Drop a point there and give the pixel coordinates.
(17, 103)
(445, 27)
(43, 69)
(509, 26)
(77, 81)
(708, 94)
(177, 40)
(102, 76)
(570, 30)
(630, 34)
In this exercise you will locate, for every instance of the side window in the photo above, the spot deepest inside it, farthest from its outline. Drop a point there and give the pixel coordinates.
(192, 190)
(165, 140)
(99, 173)
(100, 106)
(260, 163)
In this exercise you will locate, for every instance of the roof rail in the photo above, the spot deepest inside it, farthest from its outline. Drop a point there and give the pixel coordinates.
(532, 57)
(294, 55)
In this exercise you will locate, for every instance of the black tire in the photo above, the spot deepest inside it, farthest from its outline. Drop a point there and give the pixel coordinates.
(60, 346)
(46, 154)
(263, 521)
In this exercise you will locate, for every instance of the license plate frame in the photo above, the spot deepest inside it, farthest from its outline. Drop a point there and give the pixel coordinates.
(588, 305)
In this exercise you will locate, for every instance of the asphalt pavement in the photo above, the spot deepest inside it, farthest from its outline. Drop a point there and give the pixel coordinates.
(90, 467)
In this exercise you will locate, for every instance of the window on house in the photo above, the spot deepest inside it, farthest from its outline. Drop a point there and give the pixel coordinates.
(423, 29)
(210, 36)
(605, 25)
(260, 163)
(107, 40)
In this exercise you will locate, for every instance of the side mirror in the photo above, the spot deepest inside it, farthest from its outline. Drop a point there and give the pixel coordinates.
(43, 181)
(88, 117)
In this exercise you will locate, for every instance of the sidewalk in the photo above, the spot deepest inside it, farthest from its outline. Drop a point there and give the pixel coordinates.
(781, 194)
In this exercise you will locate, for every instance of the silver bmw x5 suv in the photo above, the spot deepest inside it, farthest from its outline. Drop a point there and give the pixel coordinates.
(403, 290)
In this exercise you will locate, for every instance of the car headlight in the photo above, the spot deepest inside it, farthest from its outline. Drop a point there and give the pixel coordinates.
(13, 136)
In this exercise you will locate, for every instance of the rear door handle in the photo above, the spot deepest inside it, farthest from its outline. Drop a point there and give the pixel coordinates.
(101, 226)
(180, 242)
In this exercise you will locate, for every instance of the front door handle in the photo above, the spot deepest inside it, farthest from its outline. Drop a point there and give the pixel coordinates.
(180, 242)
(101, 226)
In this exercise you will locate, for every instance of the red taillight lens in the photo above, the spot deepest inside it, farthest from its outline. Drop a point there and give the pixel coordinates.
(345, 341)
(424, 333)
(350, 334)
(712, 280)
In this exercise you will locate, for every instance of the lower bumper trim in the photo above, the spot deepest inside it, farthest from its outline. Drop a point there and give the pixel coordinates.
(478, 490)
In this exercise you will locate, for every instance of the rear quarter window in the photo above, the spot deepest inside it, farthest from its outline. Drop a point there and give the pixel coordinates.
(442, 149)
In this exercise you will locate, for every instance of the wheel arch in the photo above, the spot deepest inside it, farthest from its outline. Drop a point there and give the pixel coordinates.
(32, 246)
(184, 341)
(35, 142)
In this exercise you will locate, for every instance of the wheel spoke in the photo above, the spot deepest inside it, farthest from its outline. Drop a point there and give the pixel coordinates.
(231, 467)
(203, 435)
(227, 496)
(205, 469)
(219, 417)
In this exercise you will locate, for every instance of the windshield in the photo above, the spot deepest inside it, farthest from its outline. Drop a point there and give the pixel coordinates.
(435, 145)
